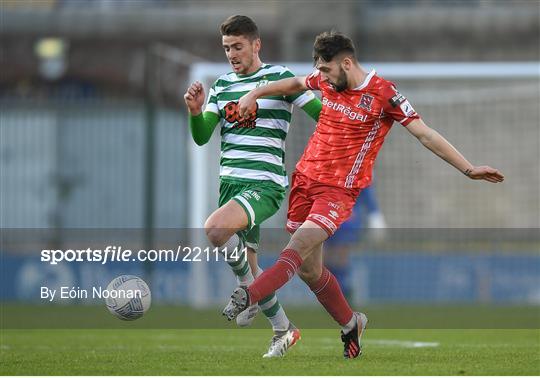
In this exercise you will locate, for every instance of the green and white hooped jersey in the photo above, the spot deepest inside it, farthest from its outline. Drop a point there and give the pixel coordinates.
(254, 148)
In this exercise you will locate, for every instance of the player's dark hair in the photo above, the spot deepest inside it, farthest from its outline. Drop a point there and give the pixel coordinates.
(240, 25)
(330, 44)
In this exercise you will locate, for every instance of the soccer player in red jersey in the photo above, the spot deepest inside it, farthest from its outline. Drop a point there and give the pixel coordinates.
(359, 107)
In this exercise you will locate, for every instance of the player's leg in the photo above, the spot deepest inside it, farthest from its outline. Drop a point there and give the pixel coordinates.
(226, 228)
(245, 318)
(307, 239)
(299, 206)
(331, 207)
(269, 305)
(325, 287)
(222, 228)
(302, 243)
(330, 210)
(253, 261)
(273, 310)
(285, 332)
(228, 219)
(229, 226)
(262, 202)
(328, 207)
(308, 236)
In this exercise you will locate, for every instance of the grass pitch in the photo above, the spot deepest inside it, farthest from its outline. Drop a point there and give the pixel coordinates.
(238, 352)
(231, 351)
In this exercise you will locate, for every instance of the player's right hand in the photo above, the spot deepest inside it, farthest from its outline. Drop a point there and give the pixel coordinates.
(247, 105)
(194, 98)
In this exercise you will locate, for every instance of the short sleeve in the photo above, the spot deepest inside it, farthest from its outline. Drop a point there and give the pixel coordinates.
(211, 103)
(313, 80)
(397, 106)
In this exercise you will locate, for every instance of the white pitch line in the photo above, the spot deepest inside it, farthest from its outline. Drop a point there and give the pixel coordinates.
(405, 343)
(397, 343)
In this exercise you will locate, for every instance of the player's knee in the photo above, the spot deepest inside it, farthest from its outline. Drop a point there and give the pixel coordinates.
(215, 237)
(216, 233)
(300, 244)
(296, 243)
(309, 275)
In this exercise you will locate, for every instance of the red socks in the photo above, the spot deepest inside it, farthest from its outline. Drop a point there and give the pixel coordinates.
(331, 297)
(326, 288)
(276, 276)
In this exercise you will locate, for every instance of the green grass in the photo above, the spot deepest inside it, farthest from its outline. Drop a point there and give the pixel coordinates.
(410, 316)
(150, 346)
(238, 352)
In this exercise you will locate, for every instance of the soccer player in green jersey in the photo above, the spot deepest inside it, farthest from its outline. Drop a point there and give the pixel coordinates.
(252, 167)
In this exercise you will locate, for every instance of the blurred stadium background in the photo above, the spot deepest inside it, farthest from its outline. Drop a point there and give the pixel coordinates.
(93, 136)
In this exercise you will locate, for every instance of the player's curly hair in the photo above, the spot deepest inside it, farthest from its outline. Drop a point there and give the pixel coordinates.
(240, 25)
(330, 44)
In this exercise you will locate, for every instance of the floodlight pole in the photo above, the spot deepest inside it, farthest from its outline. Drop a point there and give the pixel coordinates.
(149, 160)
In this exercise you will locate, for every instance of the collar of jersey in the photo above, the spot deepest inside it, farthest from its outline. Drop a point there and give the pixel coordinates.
(366, 81)
(263, 65)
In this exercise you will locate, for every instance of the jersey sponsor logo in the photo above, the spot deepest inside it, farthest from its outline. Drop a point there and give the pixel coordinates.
(346, 110)
(407, 108)
(365, 102)
(324, 221)
(232, 116)
(397, 99)
(248, 194)
(337, 206)
(291, 225)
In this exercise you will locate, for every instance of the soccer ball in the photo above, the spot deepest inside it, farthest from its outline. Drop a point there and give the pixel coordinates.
(127, 297)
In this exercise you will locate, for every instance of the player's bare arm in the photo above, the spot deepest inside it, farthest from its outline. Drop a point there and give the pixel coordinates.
(435, 142)
(284, 87)
(194, 98)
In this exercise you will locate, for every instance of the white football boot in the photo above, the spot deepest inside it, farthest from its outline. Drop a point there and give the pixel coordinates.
(282, 341)
(246, 317)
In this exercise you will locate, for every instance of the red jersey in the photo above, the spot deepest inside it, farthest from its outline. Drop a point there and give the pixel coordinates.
(351, 130)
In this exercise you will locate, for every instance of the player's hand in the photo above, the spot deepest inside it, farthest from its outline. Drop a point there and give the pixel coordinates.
(487, 173)
(194, 98)
(247, 105)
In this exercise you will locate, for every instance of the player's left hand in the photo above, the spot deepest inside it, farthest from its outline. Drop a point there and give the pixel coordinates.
(487, 173)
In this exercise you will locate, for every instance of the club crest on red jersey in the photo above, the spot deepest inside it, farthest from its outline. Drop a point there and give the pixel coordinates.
(365, 102)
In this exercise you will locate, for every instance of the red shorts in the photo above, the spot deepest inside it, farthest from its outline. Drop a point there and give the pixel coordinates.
(326, 205)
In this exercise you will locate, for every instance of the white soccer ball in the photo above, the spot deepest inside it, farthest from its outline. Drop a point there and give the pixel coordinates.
(128, 297)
